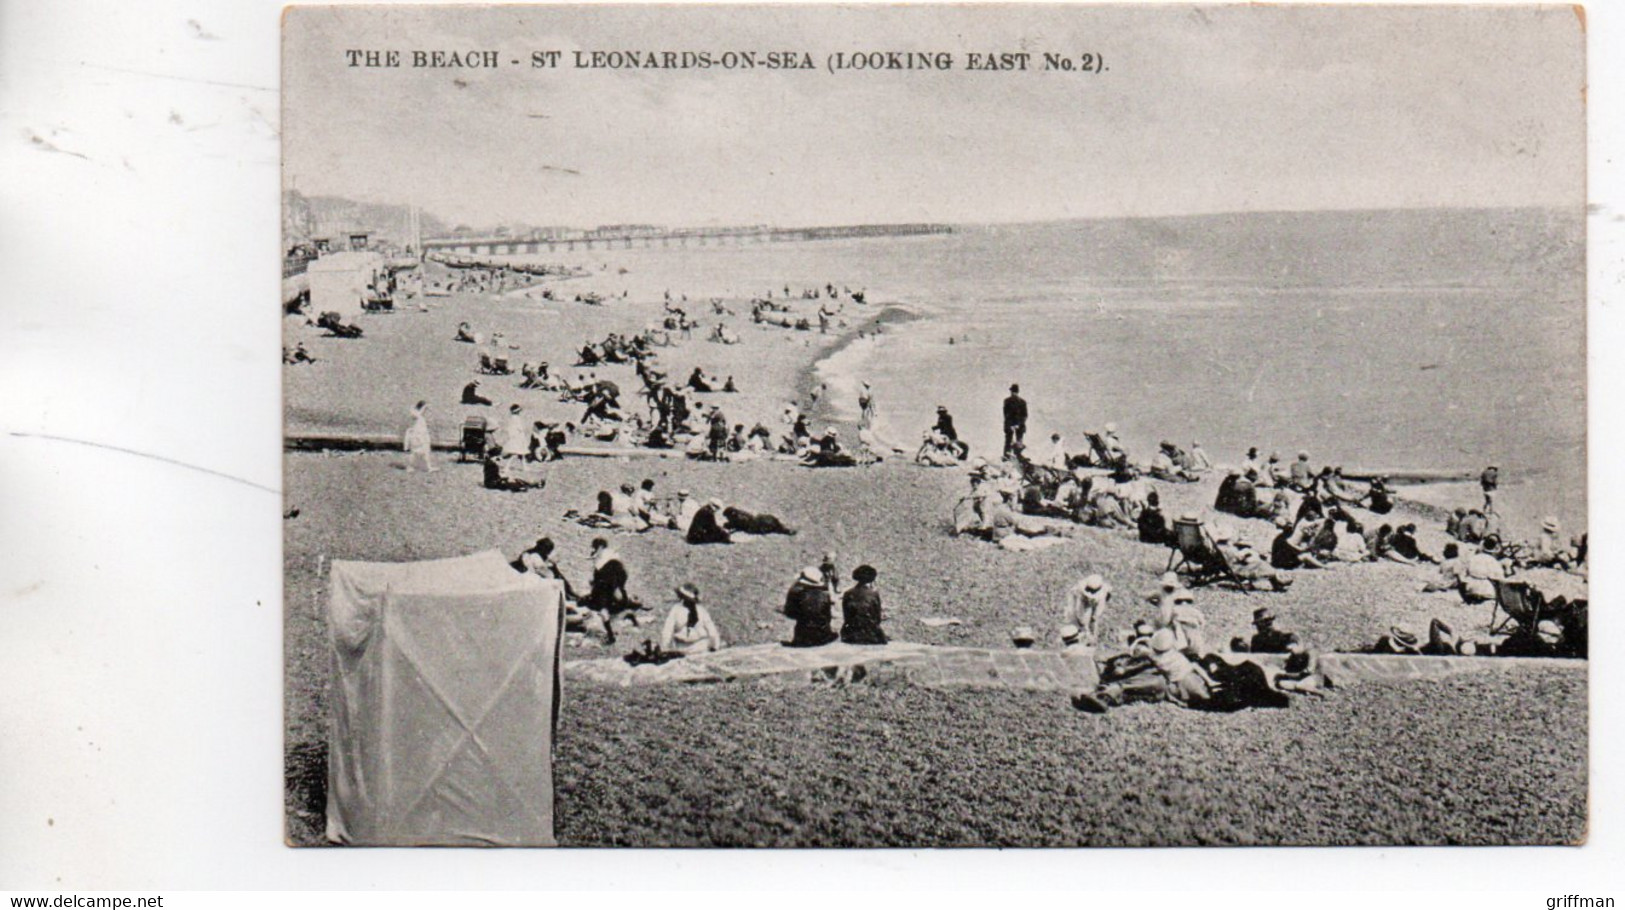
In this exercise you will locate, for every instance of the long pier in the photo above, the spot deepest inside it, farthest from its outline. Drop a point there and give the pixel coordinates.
(685, 237)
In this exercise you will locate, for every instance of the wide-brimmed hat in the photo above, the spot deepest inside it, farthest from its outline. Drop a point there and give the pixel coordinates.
(1550, 524)
(812, 575)
(1189, 516)
(1094, 583)
(1023, 636)
(687, 591)
(1402, 638)
(1184, 597)
(1070, 634)
(865, 574)
(682, 493)
(514, 408)
(1263, 616)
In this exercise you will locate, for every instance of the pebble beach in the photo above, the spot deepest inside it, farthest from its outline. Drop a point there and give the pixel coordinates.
(1037, 772)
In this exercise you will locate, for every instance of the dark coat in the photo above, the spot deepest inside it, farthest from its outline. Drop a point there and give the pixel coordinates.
(812, 609)
(860, 616)
(608, 590)
(704, 528)
(1015, 411)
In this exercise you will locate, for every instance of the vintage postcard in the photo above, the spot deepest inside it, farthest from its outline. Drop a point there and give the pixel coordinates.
(1006, 425)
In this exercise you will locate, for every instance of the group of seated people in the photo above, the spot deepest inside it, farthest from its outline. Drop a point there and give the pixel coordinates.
(810, 603)
(698, 381)
(606, 600)
(1167, 660)
(297, 354)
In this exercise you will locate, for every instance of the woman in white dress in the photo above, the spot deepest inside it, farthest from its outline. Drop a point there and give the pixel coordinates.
(417, 442)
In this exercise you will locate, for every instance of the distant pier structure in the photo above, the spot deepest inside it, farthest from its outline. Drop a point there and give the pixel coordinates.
(645, 238)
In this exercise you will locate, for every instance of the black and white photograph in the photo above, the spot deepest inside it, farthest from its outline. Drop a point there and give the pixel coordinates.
(926, 426)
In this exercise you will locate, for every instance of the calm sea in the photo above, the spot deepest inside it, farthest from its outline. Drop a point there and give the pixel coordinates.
(1429, 339)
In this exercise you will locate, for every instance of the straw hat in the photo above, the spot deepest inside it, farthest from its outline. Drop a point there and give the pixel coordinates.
(1023, 636)
(1070, 634)
(687, 591)
(1550, 524)
(1184, 597)
(1163, 640)
(1094, 583)
(812, 575)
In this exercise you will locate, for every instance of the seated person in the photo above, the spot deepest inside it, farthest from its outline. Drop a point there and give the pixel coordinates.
(1549, 548)
(729, 386)
(708, 525)
(1267, 639)
(698, 381)
(1379, 498)
(471, 394)
(588, 356)
(1301, 672)
(1350, 545)
(1153, 525)
(465, 333)
(1403, 545)
(808, 602)
(829, 452)
(498, 475)
(622, 510)
(1164, 467)
(1248, 565)
(860, 610)
(1289, 551)
(689, 628)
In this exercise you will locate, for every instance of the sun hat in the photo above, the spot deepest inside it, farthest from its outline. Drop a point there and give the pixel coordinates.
(682, 494)
(1094, 583)
(687, 591)
(1189, 516)
(1402, 638)
(514, 408)
(1070, 634)
(865, 574)
(1023, 636)
(811, 575)
(1184, 597)
(1263, 615)
(1550, 524)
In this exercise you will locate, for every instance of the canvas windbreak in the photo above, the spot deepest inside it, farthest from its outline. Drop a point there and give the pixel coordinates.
(444, 698)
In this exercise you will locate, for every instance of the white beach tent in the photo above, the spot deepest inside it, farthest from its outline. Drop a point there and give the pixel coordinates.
(444, 701)
(338, 281)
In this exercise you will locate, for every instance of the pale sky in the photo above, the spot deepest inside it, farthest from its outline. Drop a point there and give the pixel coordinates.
(1201, 110)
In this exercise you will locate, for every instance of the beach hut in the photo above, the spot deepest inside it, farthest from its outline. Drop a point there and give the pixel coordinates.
(338, 281)
(444, 700)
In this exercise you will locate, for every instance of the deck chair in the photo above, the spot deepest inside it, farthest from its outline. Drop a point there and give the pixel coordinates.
(1516, 604)
(476, 432)
(1197, 560)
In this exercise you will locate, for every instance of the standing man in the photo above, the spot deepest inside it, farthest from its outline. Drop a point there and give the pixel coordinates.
(1015, 419)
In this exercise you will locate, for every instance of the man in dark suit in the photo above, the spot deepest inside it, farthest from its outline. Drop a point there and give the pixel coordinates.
(1015, 419)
